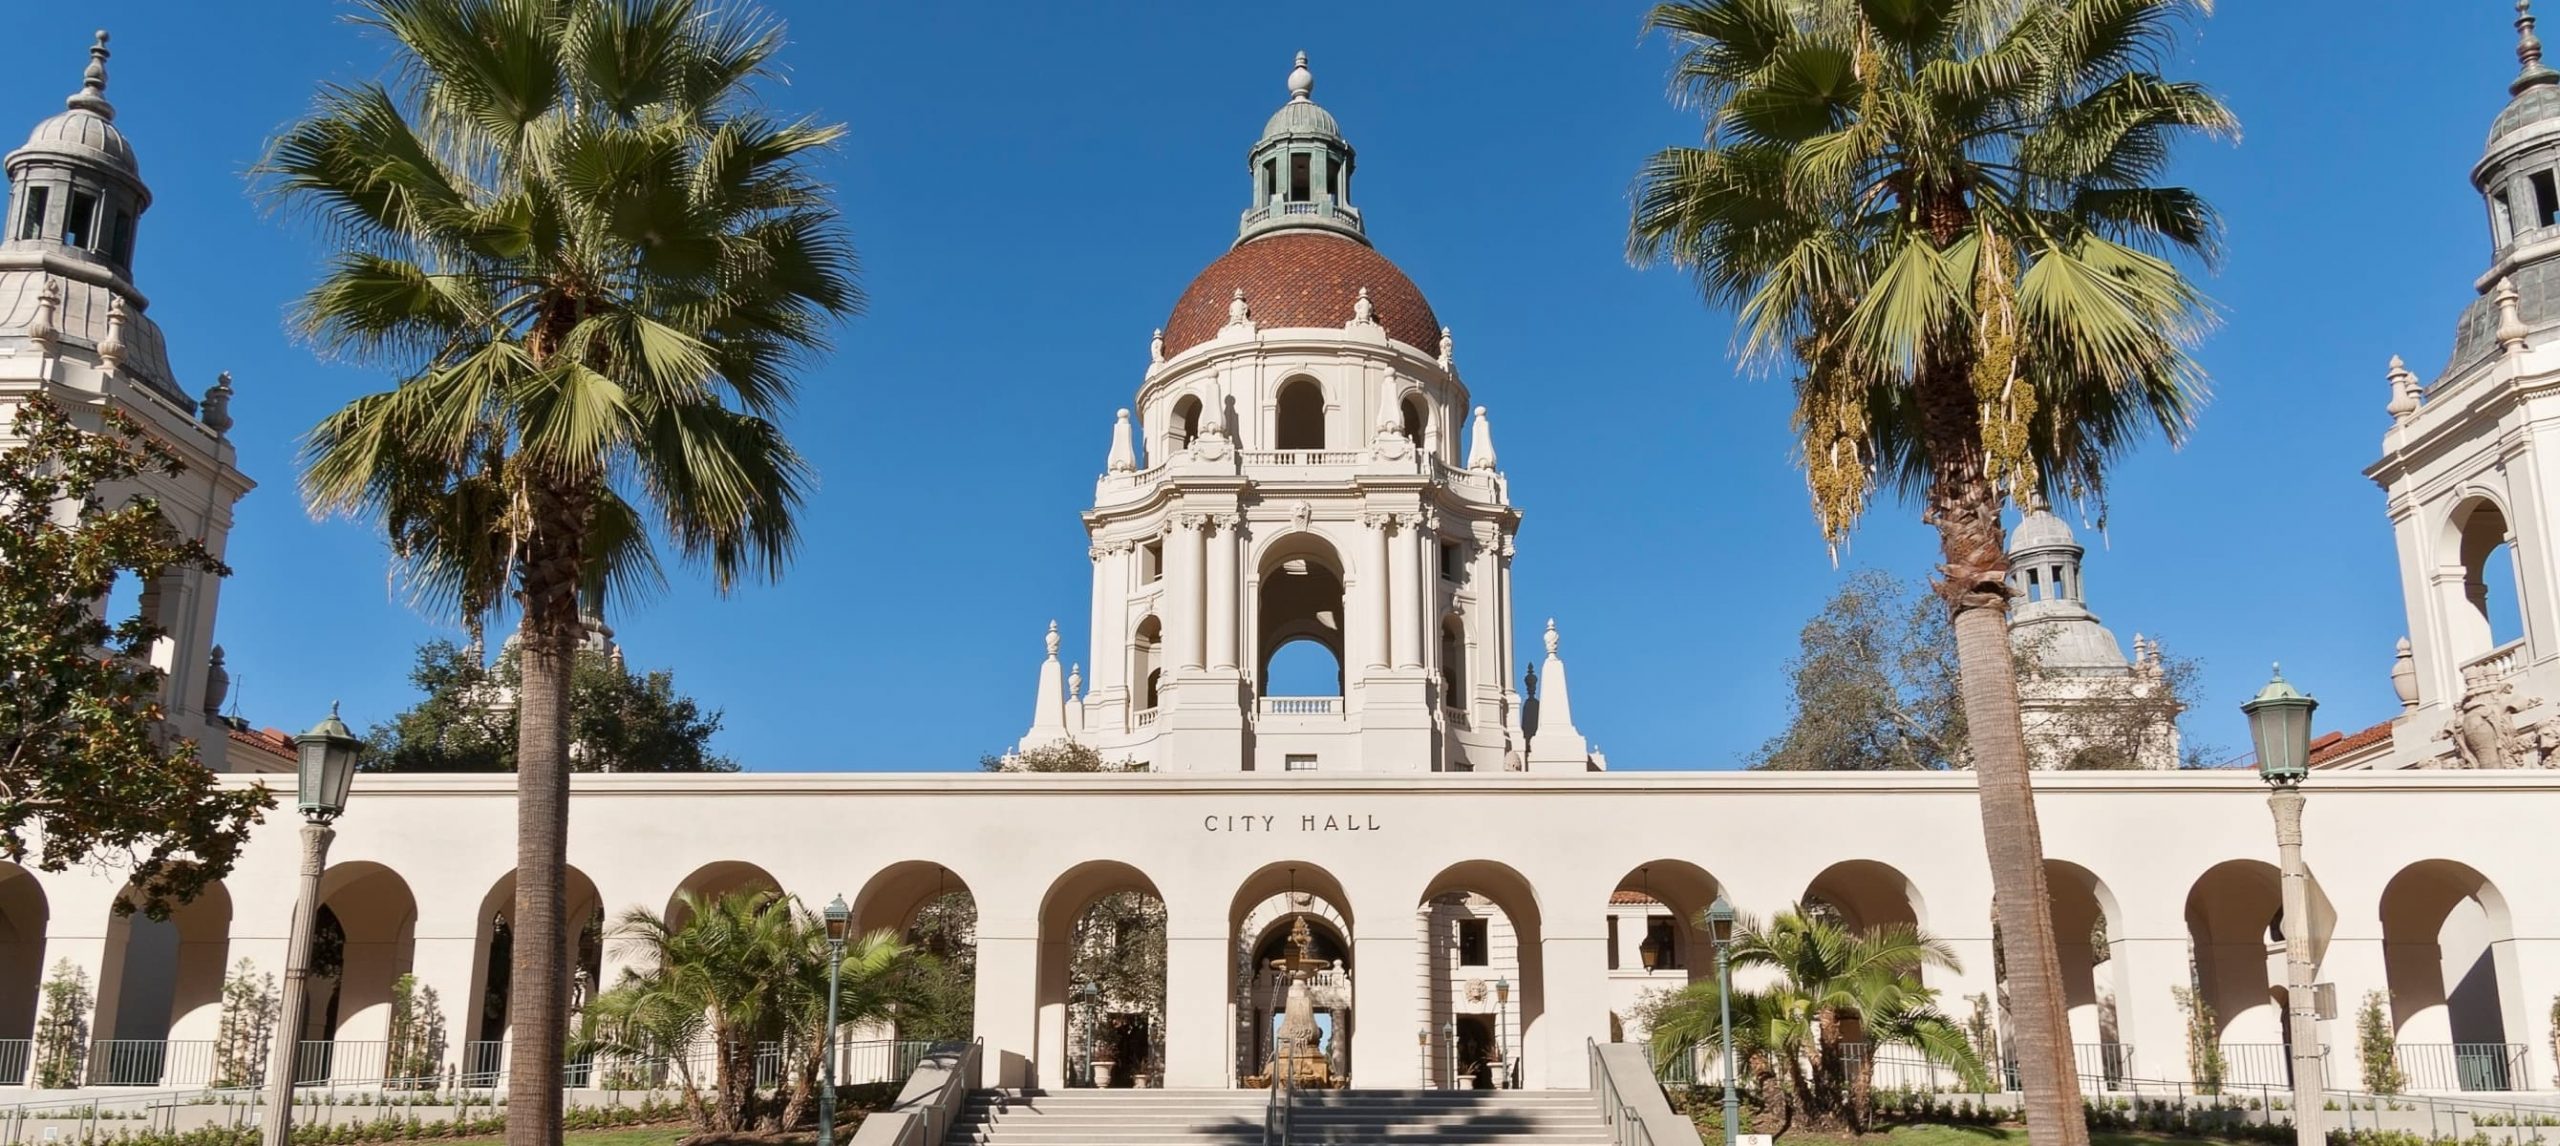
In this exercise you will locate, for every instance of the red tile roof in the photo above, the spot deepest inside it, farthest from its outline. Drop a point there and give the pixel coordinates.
(1301, 278)
(1630, 897)
(2332, 745)
(272, 741)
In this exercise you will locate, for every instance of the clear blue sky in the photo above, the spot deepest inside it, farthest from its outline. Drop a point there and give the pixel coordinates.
(1030, 185)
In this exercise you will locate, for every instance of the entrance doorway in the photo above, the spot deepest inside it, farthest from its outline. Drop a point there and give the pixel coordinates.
(1478, 1054)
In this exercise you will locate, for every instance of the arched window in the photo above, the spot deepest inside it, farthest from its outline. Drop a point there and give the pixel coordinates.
(1146, 664)
(2489, 583)
(1302, 667)
(1298, 423)
(1453, 663)
(1186, 421)
(1298, 643)
(1416, 420)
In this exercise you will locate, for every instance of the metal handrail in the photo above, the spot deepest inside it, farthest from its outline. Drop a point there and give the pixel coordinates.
(1625, 1128)
(1282, 1105)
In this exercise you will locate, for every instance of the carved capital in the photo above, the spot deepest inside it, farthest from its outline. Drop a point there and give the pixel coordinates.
(1377, 519)
(1191, 521)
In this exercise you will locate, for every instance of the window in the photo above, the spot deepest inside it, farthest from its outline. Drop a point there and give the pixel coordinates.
(1298, 762)
(1414, 421)
(1271, 179)
(1186, 421)
(1473, 946)
(1333, 181)
(1453, 561)
(2546, 199)
(1298, 422)
(2035, 586)
(1151, 563)
(1301, 176)
(120, 239)
(1453, 665)
(32, 225)
(80, 225)
(1613, 944)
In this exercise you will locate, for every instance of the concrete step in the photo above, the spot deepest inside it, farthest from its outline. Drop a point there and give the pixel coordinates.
(1320, 1118)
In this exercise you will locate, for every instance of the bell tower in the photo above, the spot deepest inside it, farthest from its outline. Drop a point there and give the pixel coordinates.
(2469, 489)
(1290, 481)
(75, 329)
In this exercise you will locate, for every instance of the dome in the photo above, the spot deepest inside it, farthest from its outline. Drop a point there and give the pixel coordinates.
(1300, 117)
(83, 137)
(2041, 528)
(2531, 106)
(1300, 278)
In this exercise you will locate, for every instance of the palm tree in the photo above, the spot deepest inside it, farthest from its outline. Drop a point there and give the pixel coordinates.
(595, 264)
(742, 972)
(1945, 217)
(1808, 1041)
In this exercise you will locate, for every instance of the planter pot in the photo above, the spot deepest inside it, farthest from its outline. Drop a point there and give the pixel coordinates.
(1467, 1082)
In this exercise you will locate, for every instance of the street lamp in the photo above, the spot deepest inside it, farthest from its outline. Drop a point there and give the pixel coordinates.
(1502, 1022)
(2280, 726)
(1720, 929)
(325, 766)
(1091, 993)
(839, 918)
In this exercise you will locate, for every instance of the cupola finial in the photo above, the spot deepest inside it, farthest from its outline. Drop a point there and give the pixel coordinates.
(2529, 53)
(1302, 83)
(92, 95)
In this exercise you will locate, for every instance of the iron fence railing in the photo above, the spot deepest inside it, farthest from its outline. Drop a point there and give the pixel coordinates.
(2257, 1064)
(2462, 1066)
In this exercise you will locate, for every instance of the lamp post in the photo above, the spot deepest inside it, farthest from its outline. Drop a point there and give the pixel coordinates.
(1450, 1032)
(325, 766)
(839, 917)
(2280, 726)
(1720, 929)
(1502, 1024)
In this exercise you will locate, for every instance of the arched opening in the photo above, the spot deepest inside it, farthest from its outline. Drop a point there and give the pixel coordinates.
(2448, 957)
(1186, 423)
(1146, 662)
(2085, 940)
(23, 917)
(362, 945)
(1481, 933)
(716, 879)
(493, 969)
(2494, 614)
(931, 910)
(2235, 931)
(1453, 662)
(1264, 922)
(1865, 894)
(1656, 944)
(1102, 979)
(1298, 416)
(160, 995)
(1417, 420)
(1300, 602)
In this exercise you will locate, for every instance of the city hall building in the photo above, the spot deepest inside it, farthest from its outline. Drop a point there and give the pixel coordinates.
(1305, 459)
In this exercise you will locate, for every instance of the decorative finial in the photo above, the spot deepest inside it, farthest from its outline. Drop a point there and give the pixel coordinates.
(1155, 346)
(2036, 502)
(1238, 313)
(2404, 390)
(41, 330)
(2511, 329)
(1075, 680)
(1124, 453)
(111, 348)
(216, 408)
(1448, 350)
(333, 705)
(1302, 83)
(1363, 312)
(1552, 639)
(92, 96)
(1052, 640)
(1480, 455)
(2529, 53)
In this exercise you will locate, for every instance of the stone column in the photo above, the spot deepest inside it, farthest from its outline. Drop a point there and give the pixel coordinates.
(1374, 591)
(1199, 1034)
(1187, 553)
(1222, 613)
(1406, 592)
(1387, 1001)
(1008, 1001)
(1575, 973)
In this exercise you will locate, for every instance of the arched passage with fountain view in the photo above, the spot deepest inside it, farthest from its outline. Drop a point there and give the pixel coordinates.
(1292, 931)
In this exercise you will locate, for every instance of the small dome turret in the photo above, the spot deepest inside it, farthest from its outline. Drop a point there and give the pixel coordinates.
(76, 185)
(2049, 612)
(1301, 169)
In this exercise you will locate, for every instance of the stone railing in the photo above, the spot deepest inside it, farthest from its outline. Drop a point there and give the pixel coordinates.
(1301, 457)
(2497, 665)
(1301, 706)
(1146, 717)
(1310, 207)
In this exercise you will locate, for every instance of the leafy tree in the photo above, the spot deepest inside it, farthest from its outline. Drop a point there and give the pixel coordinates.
(1945, 217)
(1831, 988)
(62, 1029)
(945, 938)
(1061, 756)
(620, 721)
(91, 769)
(595, 261)
(2205, 1063)
(1875, 687)
(2376, 1047)
(417, 1038)
(240, 1040)
(743, 970)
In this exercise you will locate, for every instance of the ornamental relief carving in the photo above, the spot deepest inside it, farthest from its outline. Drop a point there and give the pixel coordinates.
(2486, 734)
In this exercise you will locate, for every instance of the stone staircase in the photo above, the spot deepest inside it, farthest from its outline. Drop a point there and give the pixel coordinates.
(1235, 1117)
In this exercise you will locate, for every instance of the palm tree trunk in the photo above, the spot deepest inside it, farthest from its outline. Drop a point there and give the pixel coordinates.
(1964, 507)
(540, 956)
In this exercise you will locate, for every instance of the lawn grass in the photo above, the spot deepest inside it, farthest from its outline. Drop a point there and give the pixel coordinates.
(628, 1136)
(1933, 1135)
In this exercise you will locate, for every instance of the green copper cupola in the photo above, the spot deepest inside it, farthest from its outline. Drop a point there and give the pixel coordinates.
(1301, 169)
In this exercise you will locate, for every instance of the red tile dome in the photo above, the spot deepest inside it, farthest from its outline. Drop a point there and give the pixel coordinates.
(1300, 278)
